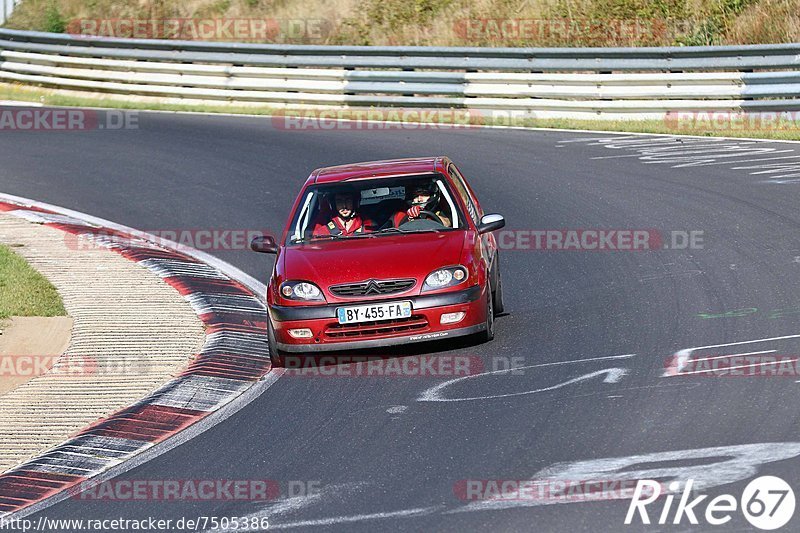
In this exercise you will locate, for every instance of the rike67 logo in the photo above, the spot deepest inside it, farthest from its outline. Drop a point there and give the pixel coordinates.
(767, 503)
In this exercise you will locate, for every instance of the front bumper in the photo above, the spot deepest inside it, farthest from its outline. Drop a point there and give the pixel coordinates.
(424, 326)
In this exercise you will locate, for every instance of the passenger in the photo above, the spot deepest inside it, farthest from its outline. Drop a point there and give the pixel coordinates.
(346, 220)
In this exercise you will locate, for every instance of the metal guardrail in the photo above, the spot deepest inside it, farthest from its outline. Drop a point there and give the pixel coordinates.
(6, 7)
(545, 82)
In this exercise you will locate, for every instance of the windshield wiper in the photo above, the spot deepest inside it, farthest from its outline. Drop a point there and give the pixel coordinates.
(400, 230)
(331, 238)
(385, 231)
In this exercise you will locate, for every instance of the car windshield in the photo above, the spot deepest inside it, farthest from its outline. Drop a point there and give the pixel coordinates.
(375, 208)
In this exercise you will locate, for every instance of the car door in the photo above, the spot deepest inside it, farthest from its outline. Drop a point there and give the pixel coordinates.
(488, 241)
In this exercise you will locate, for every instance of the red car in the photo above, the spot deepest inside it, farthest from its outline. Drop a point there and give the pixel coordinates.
(383, 253)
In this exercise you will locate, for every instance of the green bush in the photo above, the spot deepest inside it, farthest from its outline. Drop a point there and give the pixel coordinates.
(53, 21)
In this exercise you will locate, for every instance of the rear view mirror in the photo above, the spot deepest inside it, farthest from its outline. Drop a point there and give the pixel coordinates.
(491, 223)
(265, 244)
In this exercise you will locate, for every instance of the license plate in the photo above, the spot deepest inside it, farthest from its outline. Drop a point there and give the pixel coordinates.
(373, 313)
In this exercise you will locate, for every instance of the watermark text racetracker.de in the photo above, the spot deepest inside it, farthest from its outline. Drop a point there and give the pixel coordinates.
(266, 29)
(378, 119)
(416, 366)
(168, 490)
(597, 239)
(572, 29)
(544, 491)
(150, 523)
(57, 120)
(69, 366)
(735, 366)
(581, 239)
(725, 120)
(205, 239)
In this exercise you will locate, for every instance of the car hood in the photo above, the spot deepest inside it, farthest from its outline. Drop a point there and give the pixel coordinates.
(330, 262)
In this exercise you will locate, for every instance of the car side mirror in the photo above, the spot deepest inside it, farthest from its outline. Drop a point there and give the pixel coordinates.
(264, 244)
(491, 222)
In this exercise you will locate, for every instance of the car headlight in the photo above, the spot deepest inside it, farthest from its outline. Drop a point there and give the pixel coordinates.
(444, 277)
(301, 290)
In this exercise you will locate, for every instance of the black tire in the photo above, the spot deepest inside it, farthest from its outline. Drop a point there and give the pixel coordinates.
(488, 334)
(497, 294)
(275, 355)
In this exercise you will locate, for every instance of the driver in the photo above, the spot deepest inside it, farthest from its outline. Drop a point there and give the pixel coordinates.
(346, 220)
(421, 196)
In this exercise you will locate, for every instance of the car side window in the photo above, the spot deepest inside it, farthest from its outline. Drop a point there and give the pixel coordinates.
(458, 180)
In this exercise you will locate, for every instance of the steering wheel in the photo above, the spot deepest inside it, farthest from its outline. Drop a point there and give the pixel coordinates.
(429, 214)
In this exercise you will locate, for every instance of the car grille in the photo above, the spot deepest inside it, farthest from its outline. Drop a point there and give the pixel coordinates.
(370, 329)
(372, 287)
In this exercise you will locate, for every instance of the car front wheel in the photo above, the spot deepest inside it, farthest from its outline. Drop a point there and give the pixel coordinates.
(497, 294)
(275, 355)
(488, 334)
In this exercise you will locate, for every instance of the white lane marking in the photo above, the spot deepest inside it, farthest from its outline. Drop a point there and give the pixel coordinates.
(405, 513)
(644, 139)
(288, 505)
(704, 148)
(622, 156)
(782, 181)
(613, 375)
(746, 161)
(732, 355)
(723, 465)
(702, 156)
(669, 144)
(395, 409)
(20, 103)
(734, 161)
(736, 367)
(292, 504)
(772, 169)
(698, 161)
(684, 148)
(702, 159)
(558, 363)
(636, 135)
(692, 152)
(681, 357)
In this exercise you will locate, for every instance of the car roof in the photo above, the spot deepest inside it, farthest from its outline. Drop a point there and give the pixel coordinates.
(377, 169)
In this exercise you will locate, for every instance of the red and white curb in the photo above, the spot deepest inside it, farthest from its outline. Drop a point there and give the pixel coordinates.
(234, 358)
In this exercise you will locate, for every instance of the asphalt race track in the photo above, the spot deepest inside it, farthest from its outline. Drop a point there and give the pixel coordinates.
(593, 330)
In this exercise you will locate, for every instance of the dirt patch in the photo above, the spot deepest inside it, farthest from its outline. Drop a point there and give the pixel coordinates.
(29, 346)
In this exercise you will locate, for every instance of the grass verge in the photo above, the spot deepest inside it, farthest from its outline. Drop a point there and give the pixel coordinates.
(23, 291)
(787, 130)
(427, 22)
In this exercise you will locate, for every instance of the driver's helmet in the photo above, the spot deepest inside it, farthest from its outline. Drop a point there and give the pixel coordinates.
(427, 188)
(352, 194)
